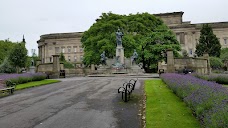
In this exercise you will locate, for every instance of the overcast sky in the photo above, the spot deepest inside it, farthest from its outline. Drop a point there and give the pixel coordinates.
(37, 17)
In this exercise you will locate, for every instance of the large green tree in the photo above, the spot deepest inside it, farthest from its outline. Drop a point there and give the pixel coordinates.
(208, 42)
(143, 32)
(5, 47)
(18, 56)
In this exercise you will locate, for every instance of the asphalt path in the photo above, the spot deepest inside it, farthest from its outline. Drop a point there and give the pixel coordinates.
(80, 102)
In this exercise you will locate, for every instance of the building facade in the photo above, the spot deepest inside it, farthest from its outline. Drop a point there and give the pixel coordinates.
(187, 34)
(67, 43)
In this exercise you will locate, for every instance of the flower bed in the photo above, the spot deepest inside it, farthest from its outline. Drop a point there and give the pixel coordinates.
(208, 100)
(23, 78)
(218, 78)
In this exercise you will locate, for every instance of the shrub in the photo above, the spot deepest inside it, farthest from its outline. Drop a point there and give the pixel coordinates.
(5, 67)
(218, 78)
(208, 100)
(23, 78)
(68, 65)
(216, 63)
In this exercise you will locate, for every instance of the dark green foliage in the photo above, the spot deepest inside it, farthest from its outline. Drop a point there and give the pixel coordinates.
(6, 67)
(216, 63)
(65, 63)
(143, 32)
(62, 57)
(185, 53)
(5, 48)
(208, 42)
(224, 54)
(18, 56)
(68, 65)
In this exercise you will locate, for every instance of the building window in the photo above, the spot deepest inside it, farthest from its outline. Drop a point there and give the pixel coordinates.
(56, 49)
(50, 59)
(75, 58)
(63, 49)
(69, 58)
(81, 58)
(81, 49)
(178, 37)
(69, 49)
(190, 51)
(225, 41)
(75, 48)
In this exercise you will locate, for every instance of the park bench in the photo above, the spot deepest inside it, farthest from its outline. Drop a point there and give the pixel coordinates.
(7, 87)
(127, 89)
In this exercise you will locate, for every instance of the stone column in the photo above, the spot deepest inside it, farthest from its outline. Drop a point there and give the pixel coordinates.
(56, 66)
(207, 66)
(170, 61)
(92, 67)
(120, 53)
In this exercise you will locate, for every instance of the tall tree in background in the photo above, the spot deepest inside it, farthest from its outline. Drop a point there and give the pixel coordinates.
(143, 32)
(5, 47)
(18, 56)
(208, 42)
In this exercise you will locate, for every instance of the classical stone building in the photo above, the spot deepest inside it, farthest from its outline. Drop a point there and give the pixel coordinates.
(187, 34)
(67, 43)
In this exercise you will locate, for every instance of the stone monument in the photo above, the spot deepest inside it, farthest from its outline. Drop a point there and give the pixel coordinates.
(103, 58)
(32, 68)
(134, 58)
(119, 47)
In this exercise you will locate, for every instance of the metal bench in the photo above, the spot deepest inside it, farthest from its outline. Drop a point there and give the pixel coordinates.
(127, 89)
(7, 87)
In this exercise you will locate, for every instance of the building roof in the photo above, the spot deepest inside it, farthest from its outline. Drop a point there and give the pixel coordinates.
(170, 13)
(60, 36)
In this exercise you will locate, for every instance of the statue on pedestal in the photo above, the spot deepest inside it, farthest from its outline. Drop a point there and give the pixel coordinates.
(103, 58)
(134, 57)
(119, 36)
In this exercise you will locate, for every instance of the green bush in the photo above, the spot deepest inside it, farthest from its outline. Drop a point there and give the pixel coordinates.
(5, 67)
(216, 63)
(68, 65)
(38, 78)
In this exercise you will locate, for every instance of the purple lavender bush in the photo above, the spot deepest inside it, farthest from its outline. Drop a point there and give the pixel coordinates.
(218, 78)
(208, 100)
(23, 78)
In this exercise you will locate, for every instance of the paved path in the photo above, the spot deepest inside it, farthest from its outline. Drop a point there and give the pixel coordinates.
(80, 102)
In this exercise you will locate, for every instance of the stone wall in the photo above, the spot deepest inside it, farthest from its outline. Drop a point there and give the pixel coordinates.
(176, 65)
(48, 67)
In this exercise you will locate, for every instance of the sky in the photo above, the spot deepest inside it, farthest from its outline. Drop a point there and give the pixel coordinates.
(33, 18)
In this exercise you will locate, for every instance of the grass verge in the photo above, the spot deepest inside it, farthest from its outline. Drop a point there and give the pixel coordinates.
(164, 109)
(35, 83)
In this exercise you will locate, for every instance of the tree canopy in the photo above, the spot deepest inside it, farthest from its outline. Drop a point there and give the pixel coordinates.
(5, 47)
(143, 32)
(18, 56)
(208, 42)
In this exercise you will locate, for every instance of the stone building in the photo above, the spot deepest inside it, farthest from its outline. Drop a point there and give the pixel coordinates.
(187, 34)
(67, 43)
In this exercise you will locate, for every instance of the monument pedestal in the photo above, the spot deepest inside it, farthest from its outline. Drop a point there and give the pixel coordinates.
(32, 69)
(120, 54)
(136, 69)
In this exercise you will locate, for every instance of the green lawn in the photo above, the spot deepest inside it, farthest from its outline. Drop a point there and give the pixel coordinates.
(35, 83)
(165, 110)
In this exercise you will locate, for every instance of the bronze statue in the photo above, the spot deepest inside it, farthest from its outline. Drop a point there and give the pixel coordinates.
(119, 36)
